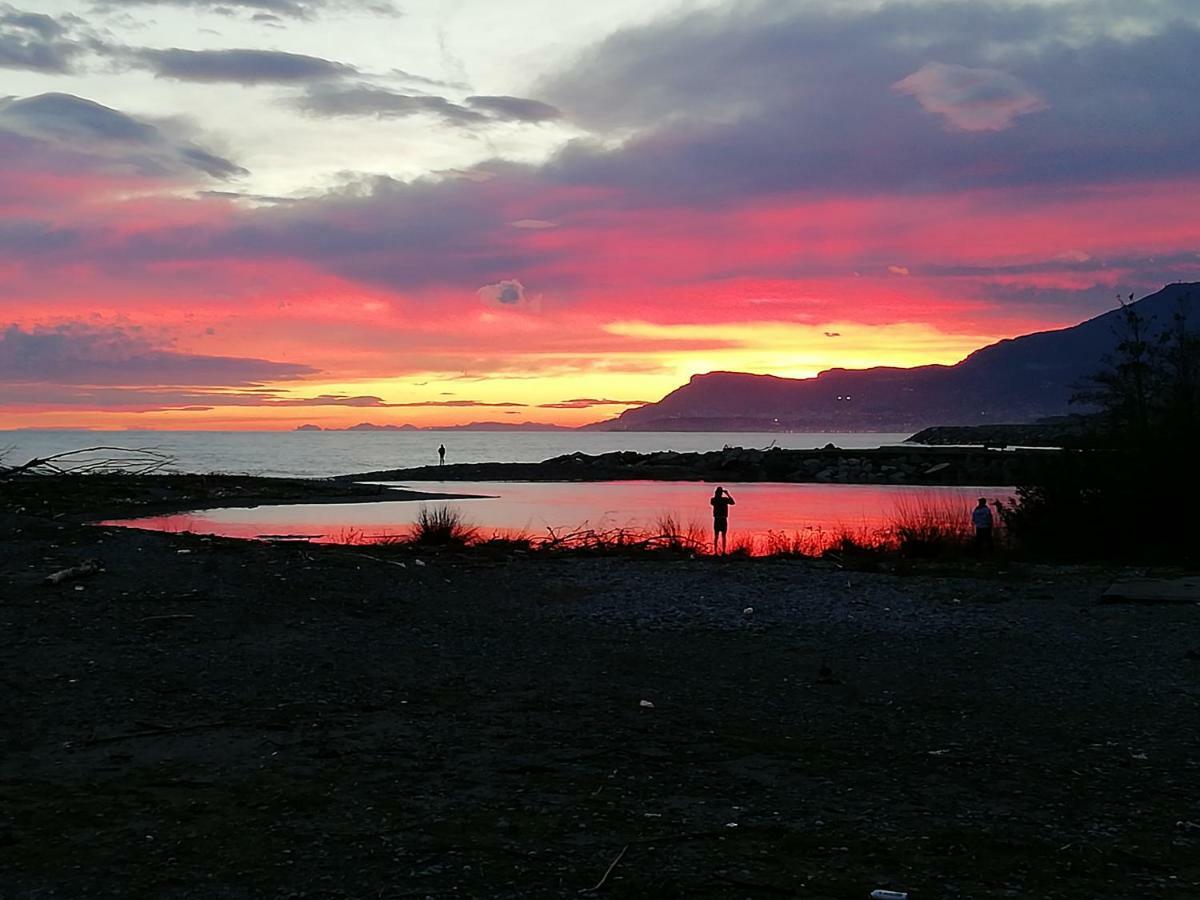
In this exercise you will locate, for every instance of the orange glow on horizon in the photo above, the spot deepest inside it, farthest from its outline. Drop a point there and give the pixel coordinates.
(440, 399)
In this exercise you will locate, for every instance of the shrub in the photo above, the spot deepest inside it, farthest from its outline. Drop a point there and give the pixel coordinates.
(744, 545)
(674, 535)
(442, 526)
(926, 525)
(855, 542)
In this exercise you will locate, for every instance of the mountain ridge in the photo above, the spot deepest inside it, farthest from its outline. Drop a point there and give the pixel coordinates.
(1015, 380)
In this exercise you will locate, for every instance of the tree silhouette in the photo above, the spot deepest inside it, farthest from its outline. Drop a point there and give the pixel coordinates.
(1148, 390)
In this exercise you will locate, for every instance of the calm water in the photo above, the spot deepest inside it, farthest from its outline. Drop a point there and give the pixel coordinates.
(535, 509)
(320, 454)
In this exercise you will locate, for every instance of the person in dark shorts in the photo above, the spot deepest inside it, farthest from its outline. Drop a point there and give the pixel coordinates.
(981, 518)
(441, 454)
(721, 501)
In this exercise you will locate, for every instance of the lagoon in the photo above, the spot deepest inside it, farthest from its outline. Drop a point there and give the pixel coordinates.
(544, 508)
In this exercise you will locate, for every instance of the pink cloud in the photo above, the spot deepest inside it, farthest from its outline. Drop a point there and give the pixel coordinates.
(970, 99)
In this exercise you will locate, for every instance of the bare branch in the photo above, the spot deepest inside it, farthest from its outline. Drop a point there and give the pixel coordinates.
(85, 461)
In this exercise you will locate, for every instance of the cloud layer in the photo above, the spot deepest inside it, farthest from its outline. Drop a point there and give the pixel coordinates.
(54, 133)
(238, 66)
(38, 42)
(734, 186)
(79, 354)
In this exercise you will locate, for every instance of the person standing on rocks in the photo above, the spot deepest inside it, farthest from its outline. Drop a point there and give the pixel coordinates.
(721, 501)
(981, 518)
(441, 454)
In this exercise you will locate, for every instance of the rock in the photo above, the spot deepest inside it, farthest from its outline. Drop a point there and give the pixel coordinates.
(1154, 590)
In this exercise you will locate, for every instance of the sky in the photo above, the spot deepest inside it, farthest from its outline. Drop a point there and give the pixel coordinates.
(263, 213)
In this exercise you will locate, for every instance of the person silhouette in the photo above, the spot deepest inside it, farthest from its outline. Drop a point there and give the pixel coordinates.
(720, 502)
(981, 518)
(441, 454)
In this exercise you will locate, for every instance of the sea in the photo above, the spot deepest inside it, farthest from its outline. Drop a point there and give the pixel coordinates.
(323, 454)
(815, 513)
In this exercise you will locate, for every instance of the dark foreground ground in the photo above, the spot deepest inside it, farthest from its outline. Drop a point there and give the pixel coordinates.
(215, 719)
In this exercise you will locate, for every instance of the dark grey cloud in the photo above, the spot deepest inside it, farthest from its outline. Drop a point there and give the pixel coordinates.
(338, 100)
(150, 398)
(413, 78)
(509, 292)
(425, 233)
(258, 9)
(758, 97)
(94, 356)
(752, 100)
(249, 197)
(69, 133)
(361, 400)
(588, 402)
(459, 403)
(362, 99)
(238, 66)
(38, 42)
(514, 109)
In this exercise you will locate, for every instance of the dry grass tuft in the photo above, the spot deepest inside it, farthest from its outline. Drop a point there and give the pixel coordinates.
(442, 526)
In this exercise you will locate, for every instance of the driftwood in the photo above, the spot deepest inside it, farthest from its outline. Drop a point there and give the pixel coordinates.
(85, 568)
(102, 460)
(599, 884)
(585, 538)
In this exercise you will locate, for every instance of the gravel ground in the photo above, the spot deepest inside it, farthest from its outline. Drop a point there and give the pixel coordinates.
(219, 719)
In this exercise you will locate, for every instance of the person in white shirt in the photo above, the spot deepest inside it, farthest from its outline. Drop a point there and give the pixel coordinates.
(981, 518)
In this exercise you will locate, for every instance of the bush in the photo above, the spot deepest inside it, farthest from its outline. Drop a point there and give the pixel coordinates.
(442, 526)
(674, 535)
(1105, 504)
(926, 525)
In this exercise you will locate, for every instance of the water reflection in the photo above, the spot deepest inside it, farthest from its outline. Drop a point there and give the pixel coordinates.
(539, 509)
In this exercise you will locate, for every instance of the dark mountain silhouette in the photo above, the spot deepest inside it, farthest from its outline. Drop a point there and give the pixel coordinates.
(1016, 380)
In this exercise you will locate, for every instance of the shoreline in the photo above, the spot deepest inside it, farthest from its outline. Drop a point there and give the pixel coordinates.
(89, 499)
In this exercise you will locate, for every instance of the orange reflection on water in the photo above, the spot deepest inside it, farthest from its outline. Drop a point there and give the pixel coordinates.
(817, 514)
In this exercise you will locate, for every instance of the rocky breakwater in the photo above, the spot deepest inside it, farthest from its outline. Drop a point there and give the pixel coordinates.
(1069, 432)
(828, 465)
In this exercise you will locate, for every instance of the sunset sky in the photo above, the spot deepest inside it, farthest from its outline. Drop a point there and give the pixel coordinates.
(261, 213)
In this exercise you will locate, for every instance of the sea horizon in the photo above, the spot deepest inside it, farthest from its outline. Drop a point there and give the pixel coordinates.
(311, 454)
